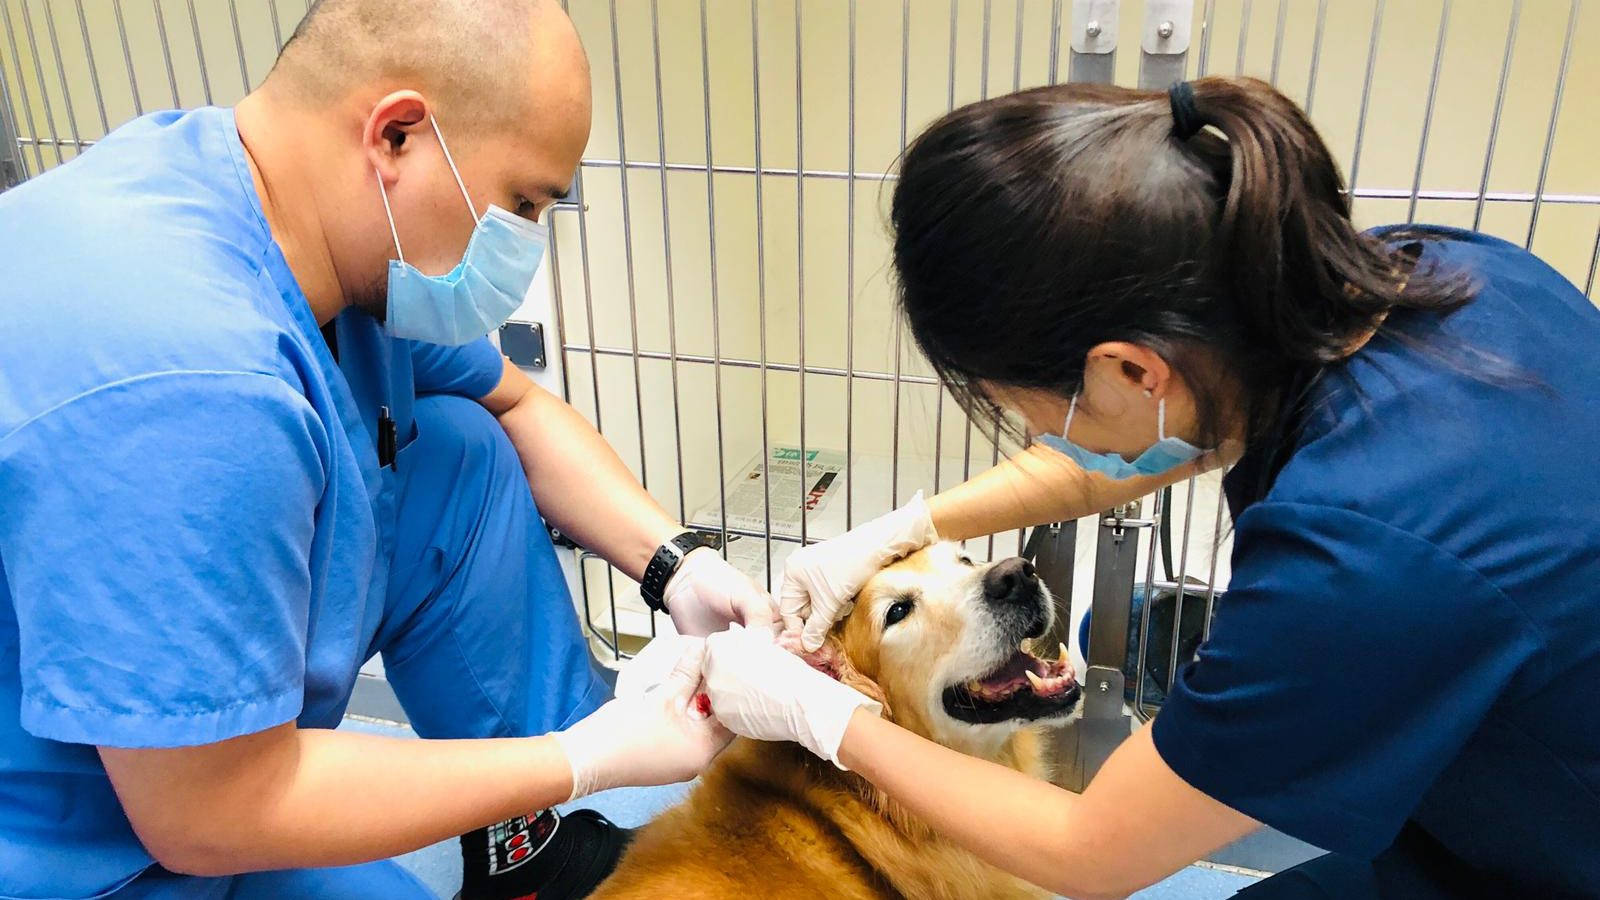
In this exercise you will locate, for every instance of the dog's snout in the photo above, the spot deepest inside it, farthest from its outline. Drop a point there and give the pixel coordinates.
(1013, 592)
(1010, 581)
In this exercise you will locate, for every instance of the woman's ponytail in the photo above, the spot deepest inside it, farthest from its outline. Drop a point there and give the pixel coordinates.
(1303, 279)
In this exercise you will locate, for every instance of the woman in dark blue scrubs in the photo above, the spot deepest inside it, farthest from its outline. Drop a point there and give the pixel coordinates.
(1402, 671)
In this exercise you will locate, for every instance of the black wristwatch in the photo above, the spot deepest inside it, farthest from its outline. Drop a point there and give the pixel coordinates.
(664, 564)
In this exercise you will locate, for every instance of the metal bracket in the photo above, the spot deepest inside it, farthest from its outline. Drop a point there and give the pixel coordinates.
(1104, 725)
(12, 172)
(1051, 549)
(1114, 564)
(1122, 517)
(523, 344)
(574, 198)
(1093, 41)
(1164, 46)
(1098, 732)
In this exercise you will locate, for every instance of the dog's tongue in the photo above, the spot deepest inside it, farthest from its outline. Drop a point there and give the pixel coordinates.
(1010, 674)
(1046, 678)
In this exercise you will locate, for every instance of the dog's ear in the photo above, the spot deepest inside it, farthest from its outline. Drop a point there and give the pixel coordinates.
(830, 659)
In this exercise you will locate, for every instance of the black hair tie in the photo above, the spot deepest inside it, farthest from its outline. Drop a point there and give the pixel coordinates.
(1185, 116)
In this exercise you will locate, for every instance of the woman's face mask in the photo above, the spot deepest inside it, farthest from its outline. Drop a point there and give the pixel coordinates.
(1165, 454)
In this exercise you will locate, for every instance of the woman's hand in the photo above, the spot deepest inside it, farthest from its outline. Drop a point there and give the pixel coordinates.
(707, 594)
(820, 581)
(656, 736)
(762, 691)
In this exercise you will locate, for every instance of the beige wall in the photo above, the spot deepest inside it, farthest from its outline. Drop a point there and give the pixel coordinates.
(1454, 161)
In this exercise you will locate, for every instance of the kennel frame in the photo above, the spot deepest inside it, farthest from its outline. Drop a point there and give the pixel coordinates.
(1084, 40)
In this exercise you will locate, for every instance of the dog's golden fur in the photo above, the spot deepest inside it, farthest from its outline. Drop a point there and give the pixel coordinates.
(772, 821)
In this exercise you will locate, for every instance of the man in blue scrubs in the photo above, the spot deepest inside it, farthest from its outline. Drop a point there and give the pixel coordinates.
(243, 448)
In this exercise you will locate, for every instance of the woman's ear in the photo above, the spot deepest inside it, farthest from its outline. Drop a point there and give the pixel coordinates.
(830, 659)
(1131, 366)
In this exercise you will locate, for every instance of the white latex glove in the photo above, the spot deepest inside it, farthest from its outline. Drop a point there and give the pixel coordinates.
(656, 737)
(653, 665)
(763, 691)
(707, 594)
(821, 581)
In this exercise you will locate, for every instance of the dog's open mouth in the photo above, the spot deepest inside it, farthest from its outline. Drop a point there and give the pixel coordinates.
(1023, 687)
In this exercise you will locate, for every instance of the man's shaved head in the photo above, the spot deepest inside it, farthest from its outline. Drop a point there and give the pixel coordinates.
(387, 129)
(473, 58)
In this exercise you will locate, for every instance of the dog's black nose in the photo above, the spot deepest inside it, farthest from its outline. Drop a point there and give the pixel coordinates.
(1010, 581)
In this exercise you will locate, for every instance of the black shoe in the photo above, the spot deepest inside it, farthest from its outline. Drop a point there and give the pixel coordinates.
(573, 854)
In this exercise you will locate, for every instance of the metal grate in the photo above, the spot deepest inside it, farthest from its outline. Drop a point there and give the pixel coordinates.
(720, 292)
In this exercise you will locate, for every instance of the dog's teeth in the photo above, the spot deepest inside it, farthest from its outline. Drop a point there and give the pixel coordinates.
(1035, 680)
(1062, 659)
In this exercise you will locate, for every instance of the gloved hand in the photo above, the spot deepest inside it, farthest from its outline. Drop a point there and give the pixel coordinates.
(655, 737)
(763, 691)
(707, 594)
(820, 581)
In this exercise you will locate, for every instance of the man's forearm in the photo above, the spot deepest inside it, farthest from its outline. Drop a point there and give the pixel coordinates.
(581, 485)
(1033, 487)
(311, 797)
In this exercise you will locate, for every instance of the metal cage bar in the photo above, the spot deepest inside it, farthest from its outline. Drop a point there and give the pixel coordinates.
(761, 288)
(666, 253)
(1427, 114)
(44, 90)
(850, 272)
(1555, 118)
(127, 56)
(899, 326)
(1366, 92)
(34, 93)
(800, 252)
(1499, 105)
(13, 167)
(94, 71)
(716, 309)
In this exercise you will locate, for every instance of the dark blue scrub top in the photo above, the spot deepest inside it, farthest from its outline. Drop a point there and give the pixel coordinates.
(1413, 626)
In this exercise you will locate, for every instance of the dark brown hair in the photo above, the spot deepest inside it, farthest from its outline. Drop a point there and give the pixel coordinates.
(1029, 228)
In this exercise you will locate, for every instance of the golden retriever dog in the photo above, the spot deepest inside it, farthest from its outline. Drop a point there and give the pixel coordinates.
(938, 639)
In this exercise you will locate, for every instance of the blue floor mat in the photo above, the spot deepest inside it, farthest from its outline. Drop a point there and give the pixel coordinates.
(439, 866)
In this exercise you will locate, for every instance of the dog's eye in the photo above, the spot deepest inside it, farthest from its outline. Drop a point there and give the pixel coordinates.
(966, 560)
(898, 611)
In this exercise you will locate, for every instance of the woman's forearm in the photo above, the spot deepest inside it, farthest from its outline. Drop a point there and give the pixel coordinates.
(1033, 487)
(1137, 823)
(1010, 820)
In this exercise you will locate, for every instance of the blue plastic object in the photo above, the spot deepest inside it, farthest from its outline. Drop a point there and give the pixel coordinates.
(1159, 647)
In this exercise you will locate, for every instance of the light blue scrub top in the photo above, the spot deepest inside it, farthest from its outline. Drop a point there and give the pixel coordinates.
(194, 532)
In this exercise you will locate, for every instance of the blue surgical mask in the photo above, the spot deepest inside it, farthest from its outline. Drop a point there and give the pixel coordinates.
(481, 292)
(1165, 454)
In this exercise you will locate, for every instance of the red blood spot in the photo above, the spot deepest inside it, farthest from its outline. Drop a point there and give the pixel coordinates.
(702, 702)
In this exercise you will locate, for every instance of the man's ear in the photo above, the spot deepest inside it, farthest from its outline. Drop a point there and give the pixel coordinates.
(393, 119)
(831, 660)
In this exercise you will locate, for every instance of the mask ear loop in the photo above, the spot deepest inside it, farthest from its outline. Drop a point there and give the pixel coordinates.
(1161, 419)
(473, 210)
(390, 213)
(1071, 409)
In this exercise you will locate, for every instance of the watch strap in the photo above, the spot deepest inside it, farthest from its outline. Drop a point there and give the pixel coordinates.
(663, 565)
